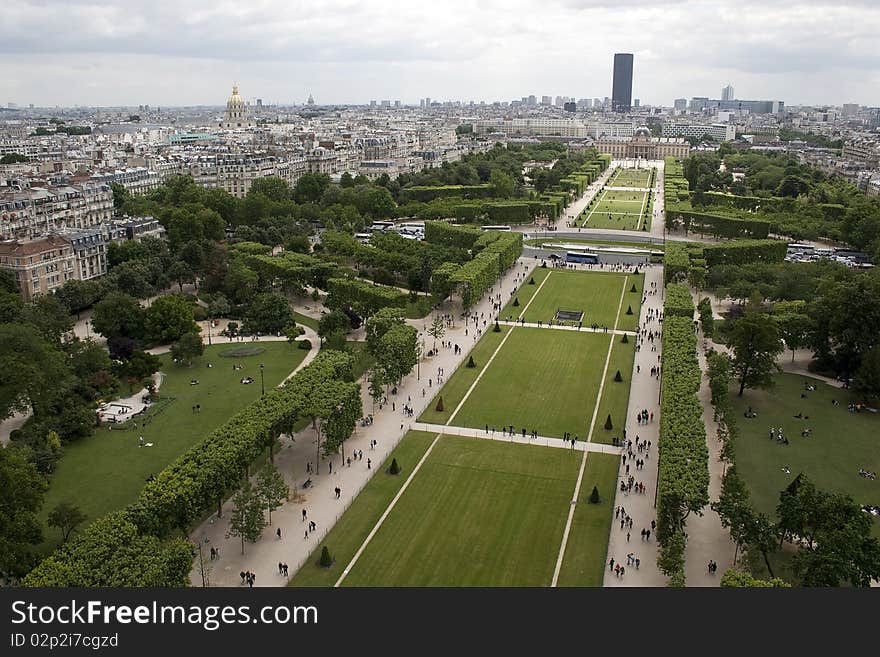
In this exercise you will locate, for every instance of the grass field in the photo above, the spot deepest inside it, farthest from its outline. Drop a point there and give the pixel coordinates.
(354, 525)
(478, 513)
(840, 444)
(597, 294)
(587, 547)
(542, 380)
(107, 470)
(630, 178)
(620, 210)
(615, 395)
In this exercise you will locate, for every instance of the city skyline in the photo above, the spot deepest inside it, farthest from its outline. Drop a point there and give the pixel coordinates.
(77, 53)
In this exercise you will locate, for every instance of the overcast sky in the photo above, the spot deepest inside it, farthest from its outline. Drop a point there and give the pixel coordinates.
(159, 52)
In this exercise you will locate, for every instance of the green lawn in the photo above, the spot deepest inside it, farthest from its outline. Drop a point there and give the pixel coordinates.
(107, 470)
(618, 210)
(455, 388)
(597, 294)
(615, 395)
(586, 550)
(352, 528)
(541, 379)
(630, 178)
(479, 513)
(305, 320)
(841, 442)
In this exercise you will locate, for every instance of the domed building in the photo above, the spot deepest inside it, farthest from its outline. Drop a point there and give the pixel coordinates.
(236, 112)
(643, 145)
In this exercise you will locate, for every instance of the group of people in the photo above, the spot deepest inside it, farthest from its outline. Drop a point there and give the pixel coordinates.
(249, 577)
(644, 416)
(778, 435)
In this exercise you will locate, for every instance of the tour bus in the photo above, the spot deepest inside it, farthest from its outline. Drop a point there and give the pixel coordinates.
(801, 248)
(582, 258)
(507, 228)
(363, 238)
(381, 225)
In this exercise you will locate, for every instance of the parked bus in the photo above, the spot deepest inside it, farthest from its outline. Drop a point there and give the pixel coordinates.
(582, 258)
(363, 238)
(382, 225)
(507, 228)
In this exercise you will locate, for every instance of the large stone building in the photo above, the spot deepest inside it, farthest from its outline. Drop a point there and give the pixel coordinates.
(36, 211)
(236, 112)
(643, 145)
(39, 265)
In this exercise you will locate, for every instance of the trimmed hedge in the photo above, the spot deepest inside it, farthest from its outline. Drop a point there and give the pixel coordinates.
(678, 302)
(365, 298)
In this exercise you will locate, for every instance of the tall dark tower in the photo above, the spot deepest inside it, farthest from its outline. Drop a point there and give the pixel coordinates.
(621, 92)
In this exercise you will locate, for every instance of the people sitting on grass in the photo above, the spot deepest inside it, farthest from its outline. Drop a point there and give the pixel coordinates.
(867, 474)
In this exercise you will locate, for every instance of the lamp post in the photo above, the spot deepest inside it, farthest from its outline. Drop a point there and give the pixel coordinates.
(262, 383)
(87, 329)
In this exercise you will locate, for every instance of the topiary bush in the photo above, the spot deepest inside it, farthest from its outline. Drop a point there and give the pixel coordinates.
(439, 407)
(394, 469)
(516, 302)
(617, 377)
(471, 362)
(532, 281)
(497, 328)
(608, 424)
(629, 310)
(624, 339)
(326, 560)
(633, 288)
(594, 496)
(303, 344)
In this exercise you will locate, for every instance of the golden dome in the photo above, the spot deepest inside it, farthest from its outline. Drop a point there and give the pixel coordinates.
(235, 99)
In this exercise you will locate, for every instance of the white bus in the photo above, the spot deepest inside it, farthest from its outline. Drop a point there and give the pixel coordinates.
(507, 228)
(363, 238)
(381, 225)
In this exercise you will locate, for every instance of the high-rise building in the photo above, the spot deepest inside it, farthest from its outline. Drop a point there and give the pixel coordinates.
(637, 102)
(421, 103)
(570, 107)
(850, 109)
(427, 101)
(372, 103)
(681, 104)
(727, 93)
(621, 89)
(532, 100)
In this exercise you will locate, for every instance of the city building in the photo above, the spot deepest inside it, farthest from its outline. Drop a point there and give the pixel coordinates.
(621, 90)
(718, 131)
(90, 252)
(727, 93)
(36, 211)
(643, 145)
(680, 104)
(40, 265)
(699, 103)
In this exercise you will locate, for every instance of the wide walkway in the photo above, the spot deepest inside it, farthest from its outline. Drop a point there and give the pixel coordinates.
(543, 441)
(319, 501)
(558, 327)
(644, 394)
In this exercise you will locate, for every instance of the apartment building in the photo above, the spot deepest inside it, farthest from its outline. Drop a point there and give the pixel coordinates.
(39, 265)
(36, 211)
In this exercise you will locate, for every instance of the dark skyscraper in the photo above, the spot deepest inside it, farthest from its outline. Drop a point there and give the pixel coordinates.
(621, 92)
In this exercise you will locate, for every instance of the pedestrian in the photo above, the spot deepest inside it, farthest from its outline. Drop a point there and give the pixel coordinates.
(611, 564)
(278, 533)
(304, 515)
(242, 573)
(280, 568)
(369, 464)
(338, 492)
(286, 575)
(627, 537)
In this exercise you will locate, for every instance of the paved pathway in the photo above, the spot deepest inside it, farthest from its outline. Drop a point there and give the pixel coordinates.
(319, 500)
(544, 441)
(557, 327)
(644, 394)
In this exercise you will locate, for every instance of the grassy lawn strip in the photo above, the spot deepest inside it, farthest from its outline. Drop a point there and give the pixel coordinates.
(479, 513)
(352, 528)
(524, 293)
(456, 388)
(615, 396)
(542, 379)
(107, 470)
(305, 320)
(585, 552)
(840, 444)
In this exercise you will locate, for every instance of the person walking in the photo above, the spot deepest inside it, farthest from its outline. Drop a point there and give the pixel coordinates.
(278, 533)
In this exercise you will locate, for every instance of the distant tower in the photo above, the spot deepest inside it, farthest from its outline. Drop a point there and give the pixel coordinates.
(727, 93)
(236, 112)
(310, 101)
(621, 90)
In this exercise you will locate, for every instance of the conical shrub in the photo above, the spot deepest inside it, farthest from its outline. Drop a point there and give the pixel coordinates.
(608, 424)
(594, 496)
(617, 377)
(394, 469)
(471, 362)
(439, 407)
(326, 560)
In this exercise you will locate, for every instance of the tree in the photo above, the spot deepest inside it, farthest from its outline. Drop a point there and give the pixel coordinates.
(66, 517)
(181, 272)
(501, 184)
(437, 329)
(754, 339)
(272, 187)
(247, 521)
(21, 496)
(794, 330)
(13, 158)
(398, 352)
(326, 560)
(118, 315)
(740, 579)
(271, 488)
(332, 322)
(292, 332)
(139, 366)
(188, 347)
(49, 316)
(241, 282)
(169, 318)
(92, 366)
(867, 378)
(269, 313)
(310, 187)
(382, 321)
